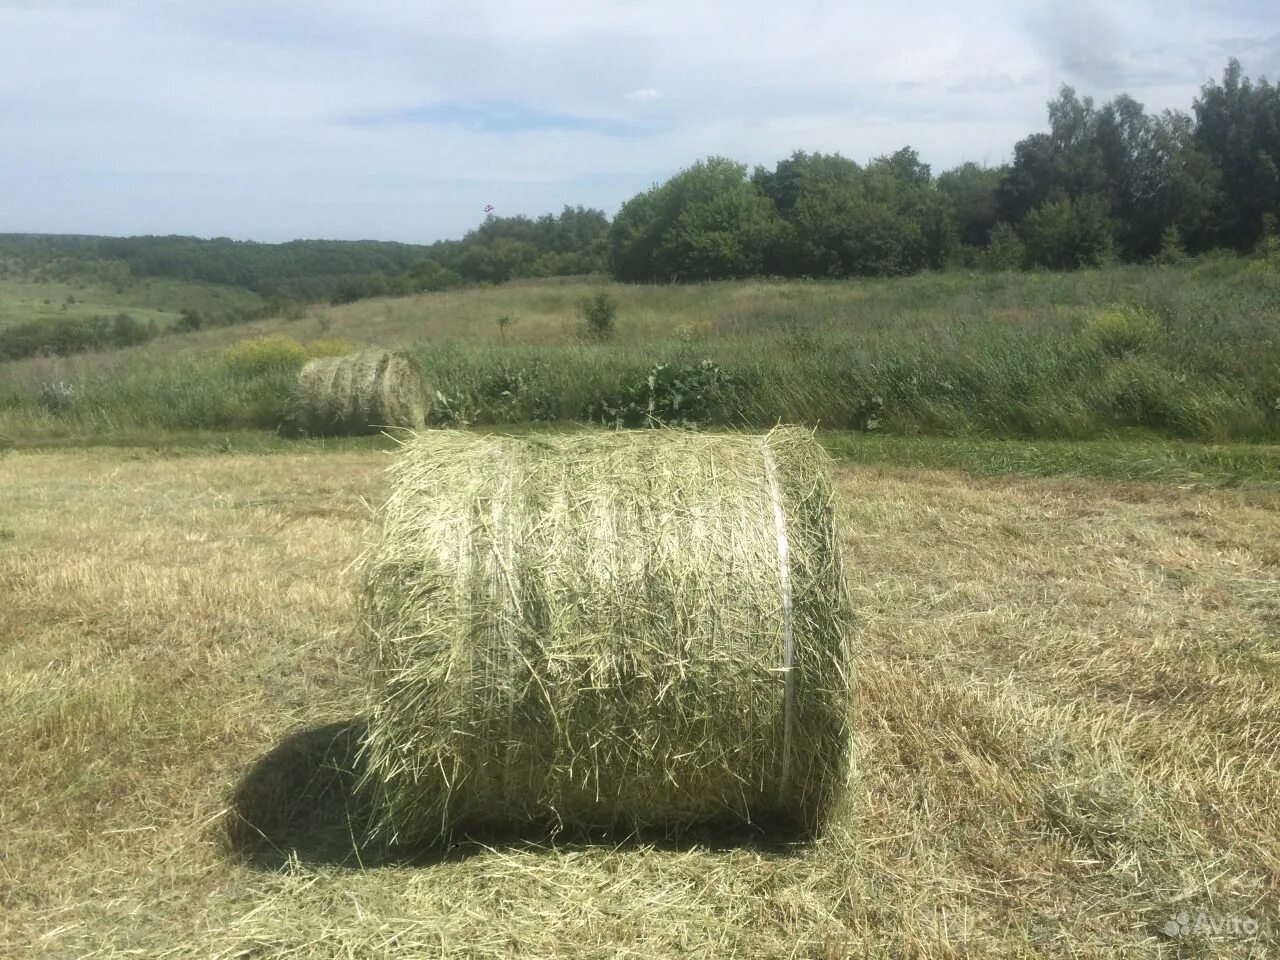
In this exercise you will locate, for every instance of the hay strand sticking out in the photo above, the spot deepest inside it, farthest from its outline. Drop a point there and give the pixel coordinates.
(592, 631)
(359, 393)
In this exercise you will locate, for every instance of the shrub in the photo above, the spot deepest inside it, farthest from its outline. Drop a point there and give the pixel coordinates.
(68, 335)
(1005, 249)
(262, 355)
(1137, 392)
(1269, 242)
(25, 340)
(449, 410)
(669, 396)
(1122, 330)
(127, 331)
(429, 276)
(507, 393)
(1069, 234)
(600, 312)
(57, 396)
(1172, 252)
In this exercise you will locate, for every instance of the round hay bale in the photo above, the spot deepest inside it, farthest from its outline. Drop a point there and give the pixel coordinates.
(631, 630)
(359, 393)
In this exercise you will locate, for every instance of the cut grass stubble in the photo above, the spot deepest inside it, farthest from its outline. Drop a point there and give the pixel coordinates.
(1068, 699)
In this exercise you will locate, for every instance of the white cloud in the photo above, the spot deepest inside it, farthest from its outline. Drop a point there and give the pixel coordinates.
(240, 118)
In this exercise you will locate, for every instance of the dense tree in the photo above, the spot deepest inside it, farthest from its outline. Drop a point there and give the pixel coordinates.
(1030, 181)
(1063, 164)
(1238, 131)
(574, 230)
(1211, 179)
(1069, 234)
(972, 191)
(707, 222)
(1005, 249)
(341, 271)
(498, 261)
(1155, 177)
(785, 184)
(634, 236)
(839, 219)
(428, 275)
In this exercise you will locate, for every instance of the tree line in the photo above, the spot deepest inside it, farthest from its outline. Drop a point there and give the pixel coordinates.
(501, 248)
(1103, 183)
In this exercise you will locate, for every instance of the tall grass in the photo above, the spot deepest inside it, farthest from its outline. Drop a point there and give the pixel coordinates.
(1037, 356)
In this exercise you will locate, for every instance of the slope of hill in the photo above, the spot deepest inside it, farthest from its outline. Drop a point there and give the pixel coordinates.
(161, 299)
(1182, 352)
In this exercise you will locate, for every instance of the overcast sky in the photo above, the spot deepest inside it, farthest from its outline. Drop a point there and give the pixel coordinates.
(403, 119)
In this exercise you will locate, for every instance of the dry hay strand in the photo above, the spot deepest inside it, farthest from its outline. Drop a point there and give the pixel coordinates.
(359, 393)
(630, 631)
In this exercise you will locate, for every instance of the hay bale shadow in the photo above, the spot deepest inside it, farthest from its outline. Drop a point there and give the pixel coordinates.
(300, 803)
(770, 835)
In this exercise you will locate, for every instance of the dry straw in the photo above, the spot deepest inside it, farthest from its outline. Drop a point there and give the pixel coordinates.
(359, 393)
(633, 630)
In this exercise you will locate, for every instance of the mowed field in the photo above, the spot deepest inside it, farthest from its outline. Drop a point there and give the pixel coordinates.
(1068, 732)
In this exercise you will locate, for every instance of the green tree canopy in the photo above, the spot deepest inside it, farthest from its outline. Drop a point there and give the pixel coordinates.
(1238, 131)
(707, 222)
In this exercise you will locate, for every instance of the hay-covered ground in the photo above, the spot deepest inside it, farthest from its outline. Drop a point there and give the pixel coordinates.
(1069, 724)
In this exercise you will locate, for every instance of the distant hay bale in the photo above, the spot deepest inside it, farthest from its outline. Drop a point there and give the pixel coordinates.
(630, 630)
(359, 393)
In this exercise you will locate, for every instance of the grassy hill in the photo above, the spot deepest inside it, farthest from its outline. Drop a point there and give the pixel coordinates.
(300, 269)
(1190, 352)
(161, 299)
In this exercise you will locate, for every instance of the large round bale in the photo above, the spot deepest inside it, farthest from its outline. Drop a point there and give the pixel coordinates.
(358, 393)
(640, 630)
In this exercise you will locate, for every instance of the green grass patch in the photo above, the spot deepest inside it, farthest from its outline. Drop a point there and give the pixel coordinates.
(1177, 353)
(158, 299)
(1136, 459)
